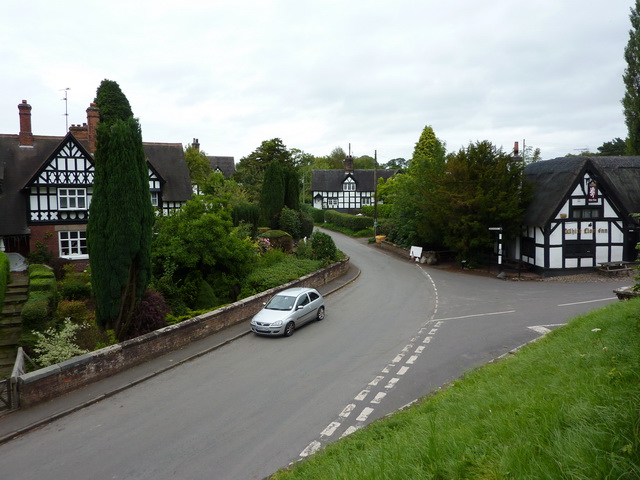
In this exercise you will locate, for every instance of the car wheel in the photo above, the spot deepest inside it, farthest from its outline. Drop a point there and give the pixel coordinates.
(289, 328)
(320, 315)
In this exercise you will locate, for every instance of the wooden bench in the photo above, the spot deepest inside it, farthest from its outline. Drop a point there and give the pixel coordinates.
(615, 267)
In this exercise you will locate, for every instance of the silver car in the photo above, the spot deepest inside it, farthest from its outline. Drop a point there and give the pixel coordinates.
(288, 310)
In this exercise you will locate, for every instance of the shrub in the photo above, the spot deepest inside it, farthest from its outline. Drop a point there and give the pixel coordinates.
(76, 310)
(306, 225)
(55, 346)
(60, 267)
(277, 274)
(279, 239)
(4, 275)
(74, 288)
(149, 315)
(384, 210)
(41, 254)
(315, 213)
(323, 247)
(289, 221)
(206, 298)
(248, 213)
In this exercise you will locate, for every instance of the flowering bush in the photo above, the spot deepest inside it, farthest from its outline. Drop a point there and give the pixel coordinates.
(55, 346)
(262, 245)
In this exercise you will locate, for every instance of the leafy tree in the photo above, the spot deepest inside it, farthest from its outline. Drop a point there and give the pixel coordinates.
(199, 242)
(333, 161)
(273, 193)
(482, 188)
(415, 213)
(631, 77)
(615, 147)
(198, 164)
(396, 164)
(121, 215)
(364, 162)
(250, 170)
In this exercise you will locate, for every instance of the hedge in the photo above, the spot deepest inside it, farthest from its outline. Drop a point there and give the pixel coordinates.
(37, 312)
(384, 210)
(354, 223)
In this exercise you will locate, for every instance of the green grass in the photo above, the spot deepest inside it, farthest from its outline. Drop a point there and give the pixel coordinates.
(368, 232)
(566, 407)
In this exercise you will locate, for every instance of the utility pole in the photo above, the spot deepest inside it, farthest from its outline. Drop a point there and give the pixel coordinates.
(375, 193)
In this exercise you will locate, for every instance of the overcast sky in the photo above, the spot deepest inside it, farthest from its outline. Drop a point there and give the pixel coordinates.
(325, 73)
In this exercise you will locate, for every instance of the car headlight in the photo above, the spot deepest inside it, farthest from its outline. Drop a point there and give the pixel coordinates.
(277, 323)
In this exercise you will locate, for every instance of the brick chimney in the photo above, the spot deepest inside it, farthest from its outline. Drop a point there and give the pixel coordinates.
(93, 118)
(25, 136)
(196, 144)
(79, 131)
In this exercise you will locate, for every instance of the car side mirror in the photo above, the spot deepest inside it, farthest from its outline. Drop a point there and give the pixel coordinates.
(299, 307)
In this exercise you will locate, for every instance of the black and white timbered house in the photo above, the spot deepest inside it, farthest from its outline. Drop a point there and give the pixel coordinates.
(46, 184)
(580, 214)
(345, 190)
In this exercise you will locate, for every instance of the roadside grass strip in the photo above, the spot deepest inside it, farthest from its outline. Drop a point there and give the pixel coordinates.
(567, 406)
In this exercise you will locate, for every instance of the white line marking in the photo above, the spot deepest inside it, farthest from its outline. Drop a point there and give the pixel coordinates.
(378, 398)
(419, 350)
(391, 383)
(433, 331)
(403, 370)
(477, 315)
(586, 301)
(427, 340)
(312, 448)
(330, 429)
(438, 324)
(412, 359)
(407, 348)
(364, 414)
(386, 369)
(361, 396)
(398, 358)
(376, 380)
(540, 329)
(349, 431)
(347, 410)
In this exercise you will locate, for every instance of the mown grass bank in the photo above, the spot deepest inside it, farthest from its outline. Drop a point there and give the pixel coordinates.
(566, 407)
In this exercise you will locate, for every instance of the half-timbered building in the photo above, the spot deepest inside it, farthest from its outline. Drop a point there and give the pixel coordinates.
(580, 213)
(46, 185)
(345, 190)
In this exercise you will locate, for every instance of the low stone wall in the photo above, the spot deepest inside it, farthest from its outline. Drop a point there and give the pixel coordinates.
(53, 381)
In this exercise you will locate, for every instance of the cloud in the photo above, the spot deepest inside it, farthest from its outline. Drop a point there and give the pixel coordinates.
(321, 74)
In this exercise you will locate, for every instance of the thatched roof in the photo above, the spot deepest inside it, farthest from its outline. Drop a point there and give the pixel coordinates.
(554, 179)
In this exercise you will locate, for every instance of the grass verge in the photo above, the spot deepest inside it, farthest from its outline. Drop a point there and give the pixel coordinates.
(567, 406)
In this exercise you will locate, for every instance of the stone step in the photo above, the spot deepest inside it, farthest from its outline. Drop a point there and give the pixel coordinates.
(15, 297)
(8, 356)
(10, 336)
(11, 311)
(12, 320)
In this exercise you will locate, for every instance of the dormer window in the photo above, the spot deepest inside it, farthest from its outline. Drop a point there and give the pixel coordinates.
(72, 199)
(349, 185)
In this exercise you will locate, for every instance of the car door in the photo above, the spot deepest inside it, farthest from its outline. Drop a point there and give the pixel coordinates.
(303, 312)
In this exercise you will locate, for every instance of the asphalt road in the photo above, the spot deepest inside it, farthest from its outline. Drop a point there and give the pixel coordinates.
(257, 404)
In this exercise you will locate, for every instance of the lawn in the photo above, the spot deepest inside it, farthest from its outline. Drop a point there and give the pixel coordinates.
(567, 406)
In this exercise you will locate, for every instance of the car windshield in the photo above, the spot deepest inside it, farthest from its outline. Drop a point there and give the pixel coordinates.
(281, 302)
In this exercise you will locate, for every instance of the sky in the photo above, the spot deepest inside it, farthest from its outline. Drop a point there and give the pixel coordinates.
(321, 74)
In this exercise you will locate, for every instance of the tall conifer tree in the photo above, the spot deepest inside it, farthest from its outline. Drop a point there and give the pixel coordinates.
(631, 77)
(121, 215)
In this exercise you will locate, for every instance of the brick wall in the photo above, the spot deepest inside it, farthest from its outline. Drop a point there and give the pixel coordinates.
(53, 381)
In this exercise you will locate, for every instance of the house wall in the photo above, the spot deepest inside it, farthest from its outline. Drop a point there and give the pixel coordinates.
(56, 380)
(584, 233)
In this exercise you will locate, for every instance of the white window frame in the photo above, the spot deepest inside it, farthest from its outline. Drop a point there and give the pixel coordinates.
(72, 198)
(349, 185)
(72, 244)
(332, 202)
(155, 199)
